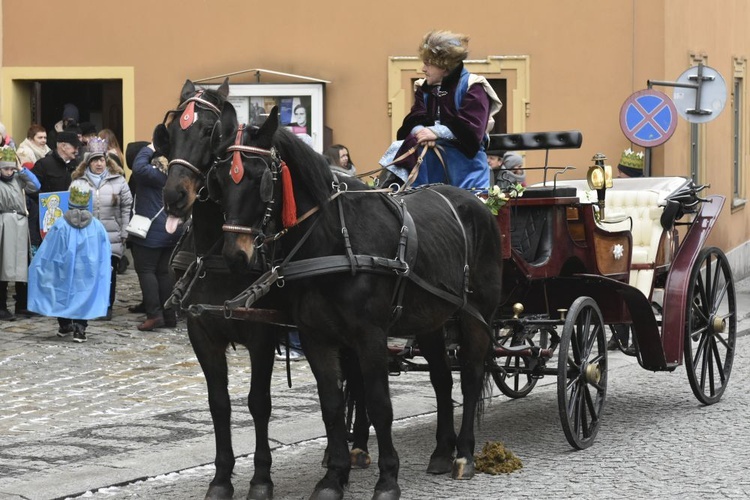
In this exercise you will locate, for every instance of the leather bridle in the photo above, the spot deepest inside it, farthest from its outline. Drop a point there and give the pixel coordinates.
(273, 165)
(186, 121)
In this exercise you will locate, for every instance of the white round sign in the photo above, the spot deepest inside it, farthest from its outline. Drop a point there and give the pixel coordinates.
(713, 95)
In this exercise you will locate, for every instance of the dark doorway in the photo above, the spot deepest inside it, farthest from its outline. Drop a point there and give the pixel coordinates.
(500, 86)
(98, 102)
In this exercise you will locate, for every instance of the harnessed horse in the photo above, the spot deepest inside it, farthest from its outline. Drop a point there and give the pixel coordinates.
(335, 244)
(205, 279)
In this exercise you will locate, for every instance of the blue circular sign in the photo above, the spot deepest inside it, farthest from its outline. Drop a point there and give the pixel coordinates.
(648, 118)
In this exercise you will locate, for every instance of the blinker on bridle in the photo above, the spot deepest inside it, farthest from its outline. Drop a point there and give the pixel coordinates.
(267, 183)
(188, 116)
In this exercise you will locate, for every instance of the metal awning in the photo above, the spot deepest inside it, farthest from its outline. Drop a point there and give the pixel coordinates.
(259, 72)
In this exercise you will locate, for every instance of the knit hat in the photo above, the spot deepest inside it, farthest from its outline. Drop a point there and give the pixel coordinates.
(444, 49)
(8, 157)
(631, 163)
(80, 194)
(70, 112)
(97, 148)
(512, 160)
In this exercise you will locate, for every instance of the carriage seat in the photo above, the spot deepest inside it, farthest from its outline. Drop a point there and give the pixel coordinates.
(636, 204)
(531, 233)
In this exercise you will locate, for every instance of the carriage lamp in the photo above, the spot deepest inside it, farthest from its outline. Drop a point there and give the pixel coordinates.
(599, 177)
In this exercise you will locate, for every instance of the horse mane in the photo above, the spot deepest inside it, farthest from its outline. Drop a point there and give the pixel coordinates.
(307, 167)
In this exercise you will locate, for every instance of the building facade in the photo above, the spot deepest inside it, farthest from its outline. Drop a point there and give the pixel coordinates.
(557, 65)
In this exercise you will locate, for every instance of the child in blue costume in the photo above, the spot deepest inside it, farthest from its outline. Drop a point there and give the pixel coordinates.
(69, 276)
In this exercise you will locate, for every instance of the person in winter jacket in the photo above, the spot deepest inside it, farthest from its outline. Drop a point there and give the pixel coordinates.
(452, 112)
(14, 230)
(151, 254)
(112, 201)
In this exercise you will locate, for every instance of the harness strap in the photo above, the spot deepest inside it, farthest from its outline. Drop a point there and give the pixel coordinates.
(347, 240)
(407, 253)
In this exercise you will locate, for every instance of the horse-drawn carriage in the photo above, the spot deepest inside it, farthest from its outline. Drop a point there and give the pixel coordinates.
(433, 265)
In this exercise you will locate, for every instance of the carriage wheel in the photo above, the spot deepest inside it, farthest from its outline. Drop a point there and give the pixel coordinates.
(710, 326)
(582, 373)
(512, 379)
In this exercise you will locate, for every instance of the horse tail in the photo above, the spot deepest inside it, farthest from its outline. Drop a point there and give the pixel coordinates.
(485, 396)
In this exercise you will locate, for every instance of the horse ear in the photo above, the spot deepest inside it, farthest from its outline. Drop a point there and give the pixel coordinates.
(223, 89)
(271, 123)
(187, 90)
(161, 139)
(224, 130)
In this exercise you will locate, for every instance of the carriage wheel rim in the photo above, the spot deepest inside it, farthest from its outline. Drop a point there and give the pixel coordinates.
(711, 326)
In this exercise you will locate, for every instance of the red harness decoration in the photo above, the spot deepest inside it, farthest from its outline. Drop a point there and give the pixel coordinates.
(238, 170)
(188, 117)
(289, 211)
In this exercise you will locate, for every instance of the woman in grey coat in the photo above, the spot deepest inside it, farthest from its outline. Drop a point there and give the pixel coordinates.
(14, 228)
(112, 200)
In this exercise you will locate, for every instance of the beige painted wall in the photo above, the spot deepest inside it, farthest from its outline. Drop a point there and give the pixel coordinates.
(587, 57)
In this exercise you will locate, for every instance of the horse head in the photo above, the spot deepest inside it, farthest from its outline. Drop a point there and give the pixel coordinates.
(265, 176)
(184, 137)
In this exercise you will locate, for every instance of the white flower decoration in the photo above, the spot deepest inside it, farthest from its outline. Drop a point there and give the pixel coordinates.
(618, 251)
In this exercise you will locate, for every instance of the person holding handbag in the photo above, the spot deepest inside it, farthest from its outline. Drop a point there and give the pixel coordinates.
(151, 254)
(112, 201)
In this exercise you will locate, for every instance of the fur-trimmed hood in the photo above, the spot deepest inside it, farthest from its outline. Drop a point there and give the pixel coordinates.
(112, 168)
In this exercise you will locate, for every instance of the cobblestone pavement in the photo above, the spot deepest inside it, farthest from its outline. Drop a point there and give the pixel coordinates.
(124, 415)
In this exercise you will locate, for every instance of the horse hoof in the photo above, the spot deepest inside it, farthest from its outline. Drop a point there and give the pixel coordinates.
(327, 494)
(462, 469)
(220, 492)
(393, 494)
(260, 492)
(440, 465)
(360, 459)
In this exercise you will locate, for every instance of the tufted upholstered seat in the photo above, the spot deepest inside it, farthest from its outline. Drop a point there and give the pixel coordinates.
(635, 204)
(644, 213)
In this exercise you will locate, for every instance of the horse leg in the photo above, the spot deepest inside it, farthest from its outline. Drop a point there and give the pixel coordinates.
(475, 346)
(325, 364)
(211, 354)
(355, 392)
(432, 347)
(373, 358)
(261, 346)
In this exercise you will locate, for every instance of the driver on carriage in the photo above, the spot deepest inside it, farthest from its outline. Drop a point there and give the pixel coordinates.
(452, 114)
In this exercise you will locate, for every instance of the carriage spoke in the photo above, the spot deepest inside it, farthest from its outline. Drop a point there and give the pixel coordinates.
(718, 360)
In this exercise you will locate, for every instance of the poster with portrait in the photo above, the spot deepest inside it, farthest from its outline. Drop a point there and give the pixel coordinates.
(300, 107)
(52, 206)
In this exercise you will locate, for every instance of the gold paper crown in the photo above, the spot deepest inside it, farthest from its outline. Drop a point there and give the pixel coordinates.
(631, 159)
(7, 157)
(80, 194)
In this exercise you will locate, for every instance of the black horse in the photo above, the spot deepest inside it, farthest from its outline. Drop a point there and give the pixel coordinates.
(185, 138)
(361, 265)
